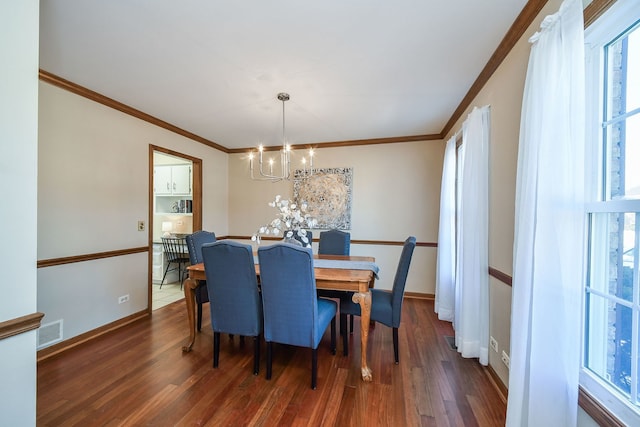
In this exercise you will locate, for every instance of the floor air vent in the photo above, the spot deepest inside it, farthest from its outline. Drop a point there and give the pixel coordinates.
(49, 333)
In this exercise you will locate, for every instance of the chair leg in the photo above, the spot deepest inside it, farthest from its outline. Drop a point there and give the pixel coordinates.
(216, 348)
(333, 335)
(241, 340)
(351, 323)
(256, 354)
(345, 337)
(395, 344)
(199, 315)
(165, 274)
(314, 368)
(269, 355)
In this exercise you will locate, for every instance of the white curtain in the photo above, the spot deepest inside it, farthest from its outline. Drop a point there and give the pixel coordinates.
(446, 263)
(549, 221)
(471, 318)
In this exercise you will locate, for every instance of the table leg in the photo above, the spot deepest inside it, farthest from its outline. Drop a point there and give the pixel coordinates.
(190, 298)
(364, 299)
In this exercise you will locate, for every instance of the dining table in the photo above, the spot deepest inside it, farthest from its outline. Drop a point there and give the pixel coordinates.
(333, 272)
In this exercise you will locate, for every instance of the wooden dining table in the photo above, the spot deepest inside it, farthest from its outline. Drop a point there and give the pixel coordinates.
(356, 280)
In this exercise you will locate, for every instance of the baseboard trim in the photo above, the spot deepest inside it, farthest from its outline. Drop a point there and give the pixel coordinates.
(419, 295)
(59, 348)
(503, 391)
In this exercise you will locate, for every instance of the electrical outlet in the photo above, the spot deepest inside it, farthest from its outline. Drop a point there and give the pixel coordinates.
(505, 359)
(140, 225)
(123, 299)
(494, 344)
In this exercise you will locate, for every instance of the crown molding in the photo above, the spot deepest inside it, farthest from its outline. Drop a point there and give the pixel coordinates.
(58, 81)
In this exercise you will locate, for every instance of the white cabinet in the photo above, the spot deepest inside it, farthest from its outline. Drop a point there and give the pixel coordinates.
(157, 265)
(172, 180)
(162, 182)
(181, 176)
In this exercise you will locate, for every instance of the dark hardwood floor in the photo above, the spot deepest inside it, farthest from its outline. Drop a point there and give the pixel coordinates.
(138, 375)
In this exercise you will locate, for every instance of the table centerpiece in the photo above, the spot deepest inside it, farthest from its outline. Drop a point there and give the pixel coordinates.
(290, 222)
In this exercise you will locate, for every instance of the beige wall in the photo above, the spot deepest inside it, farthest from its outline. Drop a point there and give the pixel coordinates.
(504, 93)
(93, 188)
(396, 193)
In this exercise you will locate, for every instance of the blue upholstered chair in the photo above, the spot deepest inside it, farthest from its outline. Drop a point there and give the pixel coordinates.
(293, 313)
(194, 246)
(336, 242)
(386, 307)
(235, 301)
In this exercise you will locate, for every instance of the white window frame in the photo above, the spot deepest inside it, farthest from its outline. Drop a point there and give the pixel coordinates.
(619, 17)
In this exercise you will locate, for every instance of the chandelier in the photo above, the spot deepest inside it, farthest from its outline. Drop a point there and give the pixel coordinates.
(266, 168)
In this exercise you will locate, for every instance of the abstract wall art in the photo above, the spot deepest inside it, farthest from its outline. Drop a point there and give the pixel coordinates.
(328, 195)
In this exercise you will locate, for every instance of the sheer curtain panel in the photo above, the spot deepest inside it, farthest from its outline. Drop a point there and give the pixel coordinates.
(471, 318)
(446, 263)
(549, 228)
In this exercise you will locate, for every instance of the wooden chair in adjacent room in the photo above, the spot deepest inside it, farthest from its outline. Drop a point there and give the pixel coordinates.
(175, 249)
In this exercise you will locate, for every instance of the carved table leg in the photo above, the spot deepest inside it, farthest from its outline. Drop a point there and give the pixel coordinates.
(190, 298)
(364, 299)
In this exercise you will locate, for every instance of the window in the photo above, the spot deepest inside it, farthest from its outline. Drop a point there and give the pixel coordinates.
(611, 355)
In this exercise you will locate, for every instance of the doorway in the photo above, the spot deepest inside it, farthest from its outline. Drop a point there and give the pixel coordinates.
(175, 209)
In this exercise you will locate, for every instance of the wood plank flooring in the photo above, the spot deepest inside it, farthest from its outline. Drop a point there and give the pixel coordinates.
(139, 376)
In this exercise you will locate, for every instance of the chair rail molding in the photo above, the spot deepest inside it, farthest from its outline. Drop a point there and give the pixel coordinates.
(20, 325)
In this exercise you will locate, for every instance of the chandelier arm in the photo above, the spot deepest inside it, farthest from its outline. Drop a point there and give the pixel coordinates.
(285, 156)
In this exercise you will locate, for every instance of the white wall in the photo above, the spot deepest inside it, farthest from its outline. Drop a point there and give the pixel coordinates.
(93, 188)
(396, 193)
(18, 171)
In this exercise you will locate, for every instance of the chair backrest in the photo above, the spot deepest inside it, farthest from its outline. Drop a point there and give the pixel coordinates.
(174, 248)
(289, 294)
(233, 288)
(334, 242)
(195, 242)
(397, 291)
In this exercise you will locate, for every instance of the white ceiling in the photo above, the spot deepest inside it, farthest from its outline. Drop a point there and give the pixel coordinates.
(355, 69)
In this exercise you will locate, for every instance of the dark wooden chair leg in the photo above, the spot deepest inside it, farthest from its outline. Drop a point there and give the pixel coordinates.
(199, 314)
(395, 344)
(256, 354)
(216, 349)
(351, 323)
(345, 337)
(333, 335)
(314, 368)
(269, 351)
(241, 340)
